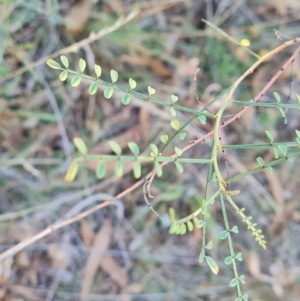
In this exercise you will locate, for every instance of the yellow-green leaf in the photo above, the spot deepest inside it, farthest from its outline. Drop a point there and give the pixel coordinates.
(164, 138)
(113, 76)
(72, 171)
(75, 81)
(151, 90)
(64, 60)
(98, 70)
(100, 170)
(115, 147)
(174, 98)
(212, 264)
(132, 83)
(80, 145)
(172, 111)
(175, 124)
(53, 64)
(158, 169)
(93, 88)
(108, 92)
(82, 65)
(245, 43)
(179, 167)
(134, 148)
(190, 226)
(172, 214)
(137, 170)
(63, 76)
(119, 169)
(125, 99)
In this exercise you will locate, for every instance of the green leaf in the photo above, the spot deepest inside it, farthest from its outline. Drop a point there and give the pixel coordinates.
(164, 138)
(114, 76)
(245, 297)
(277, 97)
(190, 226)
(235, 229)
(223, 234)
(174, 98)
(137, 170)
(202, 119)
(239, 257)
(175, 124)
(151, 91)
(72, 171)
(199, 223)
(260, 161)
(115, 147)
(182, 136)
(270, 136)
(275, 152)
(202, 255)
(80, 145)
(98, 70)
(283, 149)
(212, 264)
(134, 148)
(125, 99)
(132, 83)
(174, 228)
(228, 260)
(233, 282)
(242, 279)
(179, 167)
(270, 169)
(75, 81)
(65, 61)
(82, 65)
(172, 214)
(100, 170)
(209, 245)
(63, 76)
(172, 111)
(178, 151)
(154, 149)
(182, 229)
(158, 169)
(297, 133)
(119, 169)
(108, 92)
(93, 88)
(281, 112)
(53, 64)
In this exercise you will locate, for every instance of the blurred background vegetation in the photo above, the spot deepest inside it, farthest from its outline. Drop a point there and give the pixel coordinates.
(124, 252)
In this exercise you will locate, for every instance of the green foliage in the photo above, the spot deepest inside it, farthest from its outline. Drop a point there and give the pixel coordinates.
(198, 218)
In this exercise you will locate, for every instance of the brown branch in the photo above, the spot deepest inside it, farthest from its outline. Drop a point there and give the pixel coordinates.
(15, 249)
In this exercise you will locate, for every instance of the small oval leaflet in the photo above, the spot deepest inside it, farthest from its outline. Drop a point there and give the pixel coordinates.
(172, 213)
(132, 83)
(245, 43)
(72, 171)
(178, 151)
(270, 136)
(164, 138)
(108, 92)
(93, 88)
(209, 245)
(154, 149)
(202, 119)
(115, 147)
(114, 76)
(80, 145)
(233, 282)
(53, 64)
(119, 169)
(134, 148)
(202, 255)
(182, 136)
(100, 170)
(65, 61)
(75, 81)
(190, 226)
(277, 97)
(223, 234)
(235, 229)
(228, 260)
(182, 229)
(82, 65)
(212, 264)
(151, 91)
(98, 70)
(283, 149)
(174, 98)
(173, 229)
(63, 76)
(260, 161)
(137, 170)
(179, 167)
(172, 111)
(175, 124)
(125, 99)
(158, 169)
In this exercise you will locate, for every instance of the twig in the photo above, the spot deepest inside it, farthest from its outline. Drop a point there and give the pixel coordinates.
(15, 249)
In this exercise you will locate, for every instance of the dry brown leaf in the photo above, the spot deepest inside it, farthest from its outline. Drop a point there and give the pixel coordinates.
(100, 244)
(86, 233)
(78, 16)
(144, 59)
(113, 269)
(58, 256)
